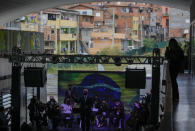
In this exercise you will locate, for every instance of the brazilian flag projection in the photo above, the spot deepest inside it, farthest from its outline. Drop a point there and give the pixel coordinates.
(4, 43)
(29, 42)
(107, 85)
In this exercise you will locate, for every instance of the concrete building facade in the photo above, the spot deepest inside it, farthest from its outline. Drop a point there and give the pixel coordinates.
(179, 24)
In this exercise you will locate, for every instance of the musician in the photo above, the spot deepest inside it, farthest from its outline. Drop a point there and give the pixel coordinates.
(118, 112)
(102, 113)
(66, 111)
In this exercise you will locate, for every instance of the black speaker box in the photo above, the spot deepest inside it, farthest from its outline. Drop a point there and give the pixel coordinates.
(35, 76)
(135, 78)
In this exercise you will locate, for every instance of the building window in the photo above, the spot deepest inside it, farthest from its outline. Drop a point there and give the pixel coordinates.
(125, 10)
(64, 17)
(84, 12)
(167, 22)
(135, 32)
(64, 47)
(187, 21)
(72, 47)
(65, 30)
(104, 40)
(52, 31)
(98, 14)
(86, 19)
(166, 10)
(73, 30)
(91, 44)
(51, 16)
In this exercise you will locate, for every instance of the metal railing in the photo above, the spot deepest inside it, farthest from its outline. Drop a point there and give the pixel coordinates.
(167, 118)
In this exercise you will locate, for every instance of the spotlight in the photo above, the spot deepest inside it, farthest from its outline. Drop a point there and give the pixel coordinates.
(117, 61)
(55, 59)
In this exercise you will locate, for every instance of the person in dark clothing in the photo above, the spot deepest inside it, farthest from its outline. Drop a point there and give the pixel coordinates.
(175, 56)
(3, 120)
(118, 112)
(85, 110)
(102, 113)
(69, 94)
(34, 111)
(25, 127)
(52, 112)
(96, 105)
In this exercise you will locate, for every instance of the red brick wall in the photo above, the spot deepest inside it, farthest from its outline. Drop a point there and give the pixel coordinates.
(176, 32)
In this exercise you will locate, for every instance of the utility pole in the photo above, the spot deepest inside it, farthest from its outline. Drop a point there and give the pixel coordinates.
(41, 22)
(113, 27)
(141, 18)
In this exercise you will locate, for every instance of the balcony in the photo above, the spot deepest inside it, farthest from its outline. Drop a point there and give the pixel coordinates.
(165, 14)
(68, 23)
(29, 27)
(146, 22)
(55, 23)
(67, 37)
(86, 25)
(107, 35)
(49, 45)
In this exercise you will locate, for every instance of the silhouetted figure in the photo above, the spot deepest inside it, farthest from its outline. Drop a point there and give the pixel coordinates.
(34, 111)
(175, 57)
(52, 112)
(25, 127)
(85, 110)
(102, 113)
(69, 94)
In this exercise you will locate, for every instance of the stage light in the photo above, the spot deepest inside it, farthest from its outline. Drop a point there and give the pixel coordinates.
(117, 61)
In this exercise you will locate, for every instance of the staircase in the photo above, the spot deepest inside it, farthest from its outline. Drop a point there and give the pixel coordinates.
(85, 46)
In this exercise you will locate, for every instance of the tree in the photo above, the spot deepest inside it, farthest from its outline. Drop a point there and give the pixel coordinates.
(149, 42)
(116, 50)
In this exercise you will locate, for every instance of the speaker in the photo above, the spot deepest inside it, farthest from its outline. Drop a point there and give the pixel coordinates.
(35, 76)
(135, 78)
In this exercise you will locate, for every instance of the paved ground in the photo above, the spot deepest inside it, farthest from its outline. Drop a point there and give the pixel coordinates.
(184, 111)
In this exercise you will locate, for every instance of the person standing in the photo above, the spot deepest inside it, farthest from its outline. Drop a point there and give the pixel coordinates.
(34, 111)
(175, 56)
(51, 112)
(69, 94)
(85, 110)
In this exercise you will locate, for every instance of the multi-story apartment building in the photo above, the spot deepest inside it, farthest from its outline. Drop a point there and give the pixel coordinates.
(86, 26)
(62, 27)
(179, 24)
(165, 21)
(90, 27)
(26, 23)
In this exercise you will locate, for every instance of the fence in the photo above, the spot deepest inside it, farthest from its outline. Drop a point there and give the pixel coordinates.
(143, 50)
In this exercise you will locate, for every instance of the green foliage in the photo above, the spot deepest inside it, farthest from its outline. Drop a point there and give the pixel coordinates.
(116, 16)
(149, 42)
(116, 50)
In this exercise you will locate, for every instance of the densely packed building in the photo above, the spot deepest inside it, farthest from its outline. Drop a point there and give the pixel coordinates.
(91, 27)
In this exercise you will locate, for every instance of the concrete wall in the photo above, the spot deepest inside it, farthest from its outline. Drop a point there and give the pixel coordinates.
(5, 72)
(179, 18)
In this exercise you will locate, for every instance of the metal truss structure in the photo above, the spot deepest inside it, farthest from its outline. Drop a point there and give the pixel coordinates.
(84, 59)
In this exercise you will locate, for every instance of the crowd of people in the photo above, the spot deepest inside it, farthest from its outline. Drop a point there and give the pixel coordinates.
(93, 111)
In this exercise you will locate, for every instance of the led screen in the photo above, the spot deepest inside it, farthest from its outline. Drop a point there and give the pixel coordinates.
(108, 85)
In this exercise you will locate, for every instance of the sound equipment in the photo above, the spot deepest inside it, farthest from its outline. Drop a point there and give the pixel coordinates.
(35, 76)
(135, 78)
